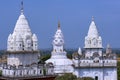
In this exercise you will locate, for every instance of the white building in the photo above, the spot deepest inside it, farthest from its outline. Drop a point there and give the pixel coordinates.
(22, 52)
(20, 42)
(58, 56)
(93, 62)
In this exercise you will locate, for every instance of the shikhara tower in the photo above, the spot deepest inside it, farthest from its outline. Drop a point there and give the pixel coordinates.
(58, 41)
(93, 62)
(20, 42)
(58, 56)
(93, 42)
(22, 53)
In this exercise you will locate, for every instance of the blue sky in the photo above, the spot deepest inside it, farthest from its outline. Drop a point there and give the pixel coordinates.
(74, 15)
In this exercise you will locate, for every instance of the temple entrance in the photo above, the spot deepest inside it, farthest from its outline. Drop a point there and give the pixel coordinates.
(96, 77)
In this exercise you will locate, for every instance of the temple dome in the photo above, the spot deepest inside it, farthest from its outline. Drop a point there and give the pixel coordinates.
(34, 37)
(58, 37)
(23, 35)
(92, 32)
(22, 26)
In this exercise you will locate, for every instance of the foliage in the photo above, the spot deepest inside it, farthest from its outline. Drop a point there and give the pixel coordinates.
(86, 78)
(44, 71)
(118, 70)
(71, 77)
(118, 55)
(69, 56)
(0, 72)
(45, 57)
(66, 77)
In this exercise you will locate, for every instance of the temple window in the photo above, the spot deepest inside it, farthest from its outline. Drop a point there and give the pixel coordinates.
(20, 45)
(60, 40)
(34, 71)
(40, 71)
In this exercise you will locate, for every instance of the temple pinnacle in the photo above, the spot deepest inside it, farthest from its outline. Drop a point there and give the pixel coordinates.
(21, 7)
(58, 24)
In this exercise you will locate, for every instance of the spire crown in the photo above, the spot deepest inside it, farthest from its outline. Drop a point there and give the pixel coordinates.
(108, 46)
(58, 24)
(21, 7)
(79, 51)
(108, 49)
(92, 18)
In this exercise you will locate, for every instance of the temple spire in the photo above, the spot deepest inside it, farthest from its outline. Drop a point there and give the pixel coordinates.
(58, 24)
(21, 7)
(108, 49)
(92, 18)
(79, 51)
(93, 32)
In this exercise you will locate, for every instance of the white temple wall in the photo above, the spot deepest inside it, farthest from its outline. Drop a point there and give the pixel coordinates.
(110, 74)
(20, 59)
(101, 73)
(34, 71)
(91, 51)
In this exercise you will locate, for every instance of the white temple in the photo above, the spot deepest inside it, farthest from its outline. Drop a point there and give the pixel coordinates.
(93, 42)
(93, 62)
(20, 42)
(22, 53)
(58, 56)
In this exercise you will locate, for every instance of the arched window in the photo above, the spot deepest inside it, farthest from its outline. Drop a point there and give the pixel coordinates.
(27, 72)
(20, 45)
(40, 71)
(34, 71)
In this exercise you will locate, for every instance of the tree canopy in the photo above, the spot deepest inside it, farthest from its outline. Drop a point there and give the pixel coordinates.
(71, 77)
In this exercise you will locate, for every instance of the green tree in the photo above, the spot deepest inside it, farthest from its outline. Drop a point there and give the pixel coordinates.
(87, 78)
(43, 58)
(0, 72)
(66, 77)
(44, 71)
(118, 70)
(71, 77)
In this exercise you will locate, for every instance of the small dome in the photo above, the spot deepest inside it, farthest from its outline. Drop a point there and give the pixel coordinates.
(79, 51)
(34, 37)
(100, 38)
(92, 32)
(22, 26)
(108, 46)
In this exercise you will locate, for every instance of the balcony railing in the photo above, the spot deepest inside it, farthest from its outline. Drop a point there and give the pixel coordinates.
(96, 65)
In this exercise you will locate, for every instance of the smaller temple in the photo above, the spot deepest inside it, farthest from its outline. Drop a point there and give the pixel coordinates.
(93, 62)
(58, 56)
